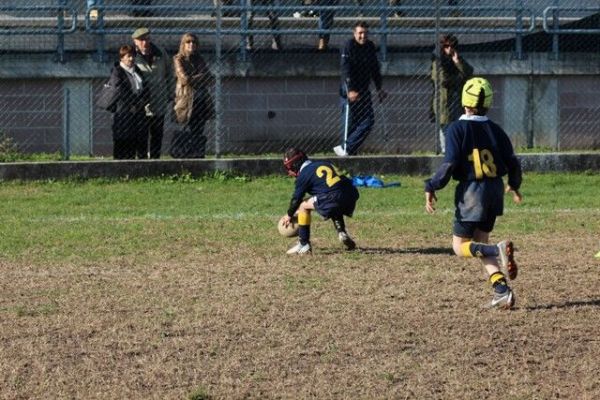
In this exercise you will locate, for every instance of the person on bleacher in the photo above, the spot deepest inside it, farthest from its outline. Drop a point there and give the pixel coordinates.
(273, 16)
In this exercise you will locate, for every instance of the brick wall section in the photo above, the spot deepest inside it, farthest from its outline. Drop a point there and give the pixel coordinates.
(579, 108)
(31, 114)
(266, 115)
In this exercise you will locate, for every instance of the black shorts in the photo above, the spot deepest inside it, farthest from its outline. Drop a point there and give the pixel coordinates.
(337, 203)
(477, 203)
(467, 229)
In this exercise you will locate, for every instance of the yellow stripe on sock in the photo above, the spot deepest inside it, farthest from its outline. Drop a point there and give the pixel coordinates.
(496, 276)
(465, 249)
(303, 218)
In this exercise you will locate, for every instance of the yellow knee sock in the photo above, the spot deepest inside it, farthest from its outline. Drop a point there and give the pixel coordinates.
(303, 218)
(465, 249)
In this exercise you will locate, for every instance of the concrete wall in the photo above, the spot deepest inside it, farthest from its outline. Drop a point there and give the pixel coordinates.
(360, 165)
(273, 100)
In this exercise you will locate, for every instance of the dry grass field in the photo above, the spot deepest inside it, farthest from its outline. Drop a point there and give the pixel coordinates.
(177, 290)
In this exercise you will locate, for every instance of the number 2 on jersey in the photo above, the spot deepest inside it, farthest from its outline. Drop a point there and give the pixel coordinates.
(483, 163)
(331, 177)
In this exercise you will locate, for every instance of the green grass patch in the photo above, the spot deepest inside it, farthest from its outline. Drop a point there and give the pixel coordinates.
(88, 221)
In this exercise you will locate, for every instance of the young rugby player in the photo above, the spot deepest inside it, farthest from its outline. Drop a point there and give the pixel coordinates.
(332, 196)
(478, 155)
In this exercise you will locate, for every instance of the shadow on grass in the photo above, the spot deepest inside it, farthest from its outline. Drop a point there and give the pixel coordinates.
(391, 250)
(566, 304)
(410, 250)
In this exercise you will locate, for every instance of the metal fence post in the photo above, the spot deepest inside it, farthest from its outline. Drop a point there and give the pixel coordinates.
(66, 150)
(519, 36)
(383, 39)
(436, 87)
(244, 27)
(98, 16)
(556, 27)
(218, 83)
(60, 40)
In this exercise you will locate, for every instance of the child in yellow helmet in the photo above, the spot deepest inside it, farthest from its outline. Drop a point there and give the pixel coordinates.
(478, 154)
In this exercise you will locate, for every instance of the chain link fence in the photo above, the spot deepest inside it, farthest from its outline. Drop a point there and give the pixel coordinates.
(268, 75)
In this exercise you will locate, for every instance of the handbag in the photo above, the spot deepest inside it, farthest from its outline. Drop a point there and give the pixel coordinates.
(107, 98)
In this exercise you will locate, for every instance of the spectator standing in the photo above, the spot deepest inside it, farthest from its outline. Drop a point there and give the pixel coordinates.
(91, 4)
(359, 66)
(450, 71)
(128, 108)
(193, 102)
(273, 16)
(157, 71)
(325, 22)
(478, 155)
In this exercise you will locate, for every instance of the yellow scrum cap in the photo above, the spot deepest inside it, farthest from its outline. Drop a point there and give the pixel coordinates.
(477, 93)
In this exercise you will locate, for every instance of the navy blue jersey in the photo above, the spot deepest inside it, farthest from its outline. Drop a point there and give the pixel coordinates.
(334, 191)
(477, 149)
(319, 177)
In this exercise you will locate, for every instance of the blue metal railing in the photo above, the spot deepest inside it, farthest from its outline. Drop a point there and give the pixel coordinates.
(381, 13)
(555, 16)
(62, 10)
(518, 20)
(553, 13)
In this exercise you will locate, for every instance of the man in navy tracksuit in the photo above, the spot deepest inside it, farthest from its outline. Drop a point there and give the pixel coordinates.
(359, 66)
(478, 155)
(332, 195)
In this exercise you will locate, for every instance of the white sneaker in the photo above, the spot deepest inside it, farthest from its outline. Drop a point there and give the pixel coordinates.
(506, 252)
(300, 248)
(347, 241)
(339, 151)
(504, 300)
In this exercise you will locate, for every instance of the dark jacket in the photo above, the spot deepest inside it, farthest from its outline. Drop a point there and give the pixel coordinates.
(129, 106)
(450, 79)
(359, 65)
(158, 78)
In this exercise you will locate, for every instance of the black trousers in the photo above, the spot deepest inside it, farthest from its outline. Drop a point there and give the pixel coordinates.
(156, 128)
(130, 135)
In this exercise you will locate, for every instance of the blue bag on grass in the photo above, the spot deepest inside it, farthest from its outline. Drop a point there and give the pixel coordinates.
(371, 181)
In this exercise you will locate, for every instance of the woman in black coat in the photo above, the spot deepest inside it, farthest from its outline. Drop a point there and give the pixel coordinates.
(128, 108)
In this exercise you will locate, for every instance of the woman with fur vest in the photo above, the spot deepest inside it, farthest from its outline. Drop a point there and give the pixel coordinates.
(193, 102)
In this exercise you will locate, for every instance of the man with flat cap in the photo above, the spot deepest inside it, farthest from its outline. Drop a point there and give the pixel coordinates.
(155, 64)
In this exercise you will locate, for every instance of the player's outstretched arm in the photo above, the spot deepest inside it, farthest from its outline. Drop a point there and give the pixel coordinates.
(430, 200)
(516, 195)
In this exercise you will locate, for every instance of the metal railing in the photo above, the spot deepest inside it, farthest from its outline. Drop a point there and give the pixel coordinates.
(291, 97)
(208, 20)
(101, 19)
(33, 24)
(551, 23)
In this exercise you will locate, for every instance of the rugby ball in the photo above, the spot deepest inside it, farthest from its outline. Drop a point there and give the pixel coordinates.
(288, 231)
